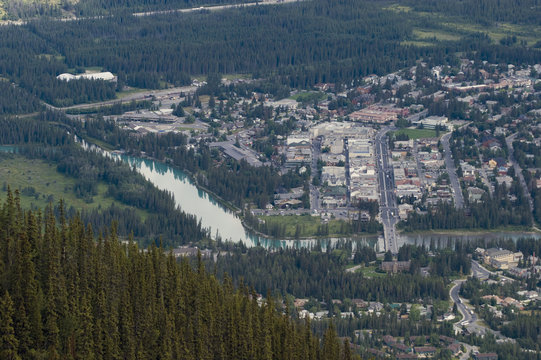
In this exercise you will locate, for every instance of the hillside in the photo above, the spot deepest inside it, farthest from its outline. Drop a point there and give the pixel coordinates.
(67, 296)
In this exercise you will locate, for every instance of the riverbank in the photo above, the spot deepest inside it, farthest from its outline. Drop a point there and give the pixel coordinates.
(469, 232)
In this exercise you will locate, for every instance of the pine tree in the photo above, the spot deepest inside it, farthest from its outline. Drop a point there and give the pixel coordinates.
(8, 341)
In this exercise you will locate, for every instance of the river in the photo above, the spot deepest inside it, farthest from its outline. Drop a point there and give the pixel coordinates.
(226, 225)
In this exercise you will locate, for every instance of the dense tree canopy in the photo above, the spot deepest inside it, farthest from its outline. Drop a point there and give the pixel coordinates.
(67, 296)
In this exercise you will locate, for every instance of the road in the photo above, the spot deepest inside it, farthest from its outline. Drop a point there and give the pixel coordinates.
(215, 8)
(451, 170)
(420, 168)
(479, 271)
(161, 12)
(484, 176)
(418, 116)
(518, 171)
(467, 316)
(482, 273)
(387, 203)
(470, 320)
(143, 95)
(314, 190)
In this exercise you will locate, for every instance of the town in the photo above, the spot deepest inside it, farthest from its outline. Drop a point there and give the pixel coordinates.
(413, 142)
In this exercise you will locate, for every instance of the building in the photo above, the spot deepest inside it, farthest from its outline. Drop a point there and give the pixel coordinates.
(407, 356)
(373, 116)
(455, 348)
(432, 122)
(185, 251)
(485, 356)
(502, 259)
(105, 76)
(395, 266)
(425, 351)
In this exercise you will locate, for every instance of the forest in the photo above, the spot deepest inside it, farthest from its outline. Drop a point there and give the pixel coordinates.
(321, 275)
(66, 294)
(336, 42)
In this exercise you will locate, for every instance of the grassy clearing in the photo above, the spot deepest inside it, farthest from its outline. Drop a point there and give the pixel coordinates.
(398, 8)
(237, 76)
(40, 183)
(308, 225)
(416, 43)
(439, 35)
(451, 28)
(308, 96)
(418, 133)
(123, 94)
(370, 272)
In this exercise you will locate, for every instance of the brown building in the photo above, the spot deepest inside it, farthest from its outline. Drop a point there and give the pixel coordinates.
(395, 266)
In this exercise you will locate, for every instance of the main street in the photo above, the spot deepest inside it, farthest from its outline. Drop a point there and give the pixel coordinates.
(387, 203)
(451, 170)
(314, 190)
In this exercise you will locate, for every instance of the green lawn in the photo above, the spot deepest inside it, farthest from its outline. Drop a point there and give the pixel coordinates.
(131, 91)
(308, 224)
(48, 185)
(370, 271)
(418, 133)
(308, 96)
(451, 28)
(440, 35)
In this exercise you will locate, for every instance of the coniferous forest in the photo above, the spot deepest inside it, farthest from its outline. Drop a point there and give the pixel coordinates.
(299, 45)
(67, 296)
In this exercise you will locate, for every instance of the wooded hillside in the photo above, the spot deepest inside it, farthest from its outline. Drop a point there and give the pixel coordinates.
(67, 296)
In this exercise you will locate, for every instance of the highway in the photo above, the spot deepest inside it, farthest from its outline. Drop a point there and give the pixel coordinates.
(143, 95)
(518, 170)
(160, 12)
(387, 203)
(451, 170)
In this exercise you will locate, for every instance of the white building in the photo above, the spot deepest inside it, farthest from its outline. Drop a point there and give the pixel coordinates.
(105, 76)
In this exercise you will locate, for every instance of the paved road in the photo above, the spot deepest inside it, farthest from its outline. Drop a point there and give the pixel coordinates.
(216, 8)
(467, 316)
(484, 176)
(144, 95)
(387, 204)
(470, 320)
(418, 116)
(479, 271)
(314, 190)
(451, 170)
(161, 12)
(518, 171)
(420, 168)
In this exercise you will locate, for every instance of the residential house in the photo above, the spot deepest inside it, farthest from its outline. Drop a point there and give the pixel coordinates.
(485, 356)
(425, 351)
